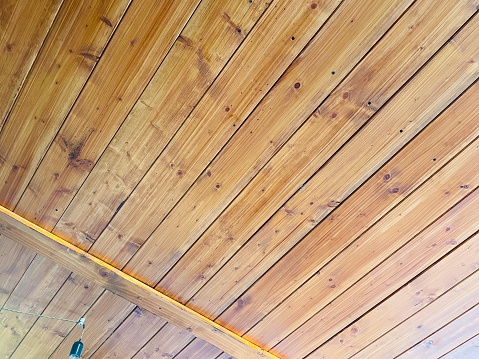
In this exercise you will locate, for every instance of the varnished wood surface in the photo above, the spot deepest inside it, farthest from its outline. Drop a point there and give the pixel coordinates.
(160, 307)
(303, 173)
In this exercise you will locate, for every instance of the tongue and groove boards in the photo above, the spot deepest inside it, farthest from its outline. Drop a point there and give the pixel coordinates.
(240, 155)
(18, 49)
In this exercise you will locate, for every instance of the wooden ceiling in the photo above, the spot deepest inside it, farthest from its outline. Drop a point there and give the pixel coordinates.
(301, 174)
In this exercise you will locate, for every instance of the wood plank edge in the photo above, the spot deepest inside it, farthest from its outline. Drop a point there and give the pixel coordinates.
(78, 261)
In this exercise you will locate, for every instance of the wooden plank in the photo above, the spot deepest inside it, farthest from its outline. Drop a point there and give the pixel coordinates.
(199, 349)
(101, 321)
(310, 147)
(23, 28)
(167, 343)
(335, 279)
(284, 109)
(225, 356)
(195, 60)
(404, 303)
(447, 338)
(436, 315)
(130, 336)
(249, 75)
(14, 261)
(78, 261)
(32, 294)
(467, 350)
(323, 192)
(378, 243)
(75, 43)
(134, 53)
(71, 302)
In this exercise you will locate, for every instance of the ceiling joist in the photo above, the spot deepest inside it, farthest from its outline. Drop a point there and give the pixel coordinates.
(120, 283)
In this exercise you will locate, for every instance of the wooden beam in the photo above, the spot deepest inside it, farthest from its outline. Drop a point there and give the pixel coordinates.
(78, 261)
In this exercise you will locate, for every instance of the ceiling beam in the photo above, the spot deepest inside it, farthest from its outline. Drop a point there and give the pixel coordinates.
(78, 261)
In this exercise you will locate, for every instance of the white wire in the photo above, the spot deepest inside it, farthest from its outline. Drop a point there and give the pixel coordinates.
(80, 322)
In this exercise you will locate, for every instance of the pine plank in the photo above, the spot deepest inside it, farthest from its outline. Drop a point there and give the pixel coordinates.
(199, 349)
(141, 41)
(107, 276)
(71, 302)
(14, 261)
(395, 229)
(32, 294)
(250, 74)
(467, 350)
(278, 116)
(418, 327)
(23, 28)
(410, 110)
(447, 338)
(130, 336)
(101, 320)
(407, 301)
(225, 356)
(74, 45)
(167, 343)
(309, 148)
(195, 60)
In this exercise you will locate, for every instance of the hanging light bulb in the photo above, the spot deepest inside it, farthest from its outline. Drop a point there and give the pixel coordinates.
(77, 347)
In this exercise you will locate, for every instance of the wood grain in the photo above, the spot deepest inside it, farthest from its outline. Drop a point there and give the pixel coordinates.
(277, 117)
(467, 350)
(428, 320)
(130, 336)
(101, 320)
(400, 267)
(14, 261)
(409, 111)
(71, 51)
(199, 349)
(447, 338)
(395, 229)
(141, 42)
(23, 28)
(168, 342)
(332, 124)
(71, 302)
(197, 57)
(250, 74)
(103, 274)
(32, 294)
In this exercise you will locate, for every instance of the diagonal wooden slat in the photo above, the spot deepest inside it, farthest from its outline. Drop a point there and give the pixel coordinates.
(398, 227)
(331, 125)
(442, 79)
(197, 57)
(71, 302)
(199, 349)
(426, 322)
(252, 72)
(276, 118)
(139, 45)
(467, 350)
(102, 319)
(32, 294)
(71, 51)
(408, 300)
(130, 336)
(23, 27)
(447, 338)
(103, 274)
(167, 343)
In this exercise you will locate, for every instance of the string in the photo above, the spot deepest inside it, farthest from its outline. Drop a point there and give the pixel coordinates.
(80, 322)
